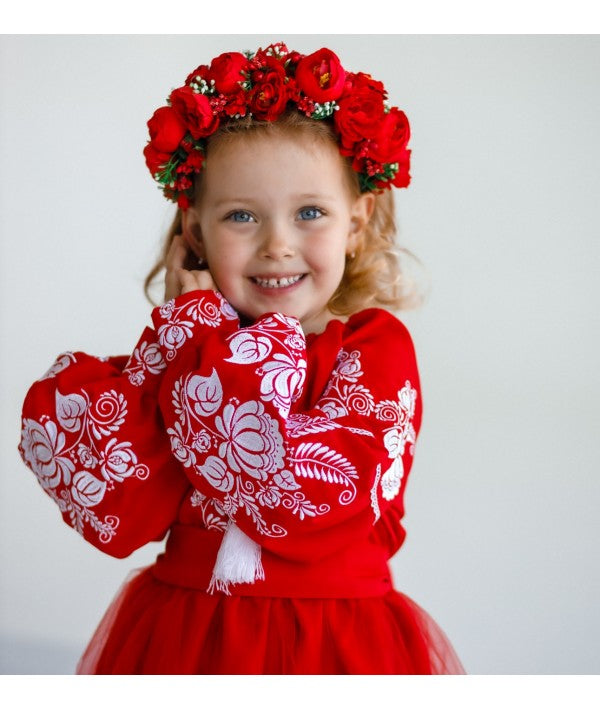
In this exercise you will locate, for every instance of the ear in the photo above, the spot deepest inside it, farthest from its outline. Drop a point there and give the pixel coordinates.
(361, 213)
(191, 231)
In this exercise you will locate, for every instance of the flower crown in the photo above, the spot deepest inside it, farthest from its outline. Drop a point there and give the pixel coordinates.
(263, 85)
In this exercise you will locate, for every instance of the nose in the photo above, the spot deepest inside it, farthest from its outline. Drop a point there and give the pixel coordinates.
(276, 241)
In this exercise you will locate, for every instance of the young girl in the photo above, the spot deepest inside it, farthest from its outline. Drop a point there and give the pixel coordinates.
(267, 420)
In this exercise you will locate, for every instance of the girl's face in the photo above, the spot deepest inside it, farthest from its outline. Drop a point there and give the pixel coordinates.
(274, 220)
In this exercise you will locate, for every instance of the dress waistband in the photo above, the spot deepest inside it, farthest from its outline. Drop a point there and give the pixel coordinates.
(358, 571)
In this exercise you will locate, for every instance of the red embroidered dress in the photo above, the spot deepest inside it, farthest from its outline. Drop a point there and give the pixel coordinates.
(305, 443)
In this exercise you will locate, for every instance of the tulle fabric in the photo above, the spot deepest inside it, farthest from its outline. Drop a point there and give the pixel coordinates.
(157, 628)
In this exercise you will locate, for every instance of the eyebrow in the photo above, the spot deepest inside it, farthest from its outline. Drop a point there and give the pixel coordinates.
(302, 196)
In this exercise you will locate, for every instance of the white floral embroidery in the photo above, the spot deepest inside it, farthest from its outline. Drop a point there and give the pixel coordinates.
(252, 441)
(250, 466)
(344, 394)
(313, 460)
(282, 376)
(374, 500)
(61, 363)
(174, 333)
(147, 358)
(55, 461)
(302, 424)
(213, 516)
(401, 413)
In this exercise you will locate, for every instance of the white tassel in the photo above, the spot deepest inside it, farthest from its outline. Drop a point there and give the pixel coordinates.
(238, 560)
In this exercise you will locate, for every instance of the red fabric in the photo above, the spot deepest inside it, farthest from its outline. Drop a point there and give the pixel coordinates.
(305, 443)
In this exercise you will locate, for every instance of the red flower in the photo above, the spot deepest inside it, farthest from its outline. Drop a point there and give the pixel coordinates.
(195, 160)
(202, 71)
(389, 142)
(226, 70)
(155, 160)
(166, 130)
(183, 201)
(402, 177)
(271, 90)
(195, 111)
(360, 110)
(320, 76)
(236, 104)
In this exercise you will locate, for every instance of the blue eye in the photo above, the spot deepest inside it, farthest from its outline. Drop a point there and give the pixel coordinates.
(240, 216)
(310, 213)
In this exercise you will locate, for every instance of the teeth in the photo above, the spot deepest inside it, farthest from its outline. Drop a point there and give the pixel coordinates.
(278, 283)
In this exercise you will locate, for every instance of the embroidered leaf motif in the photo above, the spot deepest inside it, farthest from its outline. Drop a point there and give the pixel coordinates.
(70, 409)
(302, 424)
(325, 464)
(286, 481)
(247, 348)
(205, 393)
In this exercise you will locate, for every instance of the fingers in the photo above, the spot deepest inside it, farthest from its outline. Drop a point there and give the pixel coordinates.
(195, 281)
(177, 252)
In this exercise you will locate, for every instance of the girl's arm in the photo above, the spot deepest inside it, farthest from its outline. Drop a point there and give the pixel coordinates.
(300, 477)
(93, 434)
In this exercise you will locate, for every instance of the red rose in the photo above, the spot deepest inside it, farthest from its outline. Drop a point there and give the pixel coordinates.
(360, 111)
(166, 129)
(195, 110)
(271, 90)
(320, 76)
(389, 142)
(226, 70)
(155, 160)
(202, 71)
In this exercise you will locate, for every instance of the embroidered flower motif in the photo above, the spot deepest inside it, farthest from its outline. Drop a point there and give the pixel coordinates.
(86, 456)
(181, 452)
(117, 461)
(348, 366)
(201, 441)
(253, 443)
(269, 496)
(173, 335)
(145, 358)
(216, 473)
(41, 446)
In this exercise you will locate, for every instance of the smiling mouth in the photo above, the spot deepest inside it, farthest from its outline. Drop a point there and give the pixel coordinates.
(282, 282)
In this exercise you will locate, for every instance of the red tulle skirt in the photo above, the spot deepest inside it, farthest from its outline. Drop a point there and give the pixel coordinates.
(153, 627)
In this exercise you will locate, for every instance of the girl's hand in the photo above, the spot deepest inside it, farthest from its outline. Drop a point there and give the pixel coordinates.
(179, 280)
(195, 280)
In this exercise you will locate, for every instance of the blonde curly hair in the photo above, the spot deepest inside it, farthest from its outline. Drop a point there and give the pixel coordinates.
(375, 274)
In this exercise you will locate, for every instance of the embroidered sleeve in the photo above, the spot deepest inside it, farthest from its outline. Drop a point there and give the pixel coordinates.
(283, 474)
(93, 435)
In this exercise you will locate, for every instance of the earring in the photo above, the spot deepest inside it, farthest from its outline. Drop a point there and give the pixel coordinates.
(201, 261)
(351, 255)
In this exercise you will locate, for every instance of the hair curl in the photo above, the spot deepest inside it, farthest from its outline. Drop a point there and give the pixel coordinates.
(376, 273)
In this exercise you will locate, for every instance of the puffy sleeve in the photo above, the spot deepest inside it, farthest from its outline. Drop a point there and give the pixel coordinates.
(93, 435)
(304, 454)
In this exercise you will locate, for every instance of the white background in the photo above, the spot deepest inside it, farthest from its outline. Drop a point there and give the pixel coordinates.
(502, 505)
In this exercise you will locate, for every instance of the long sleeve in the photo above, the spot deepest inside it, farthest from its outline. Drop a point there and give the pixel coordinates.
(93, 435)
(304, 451)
